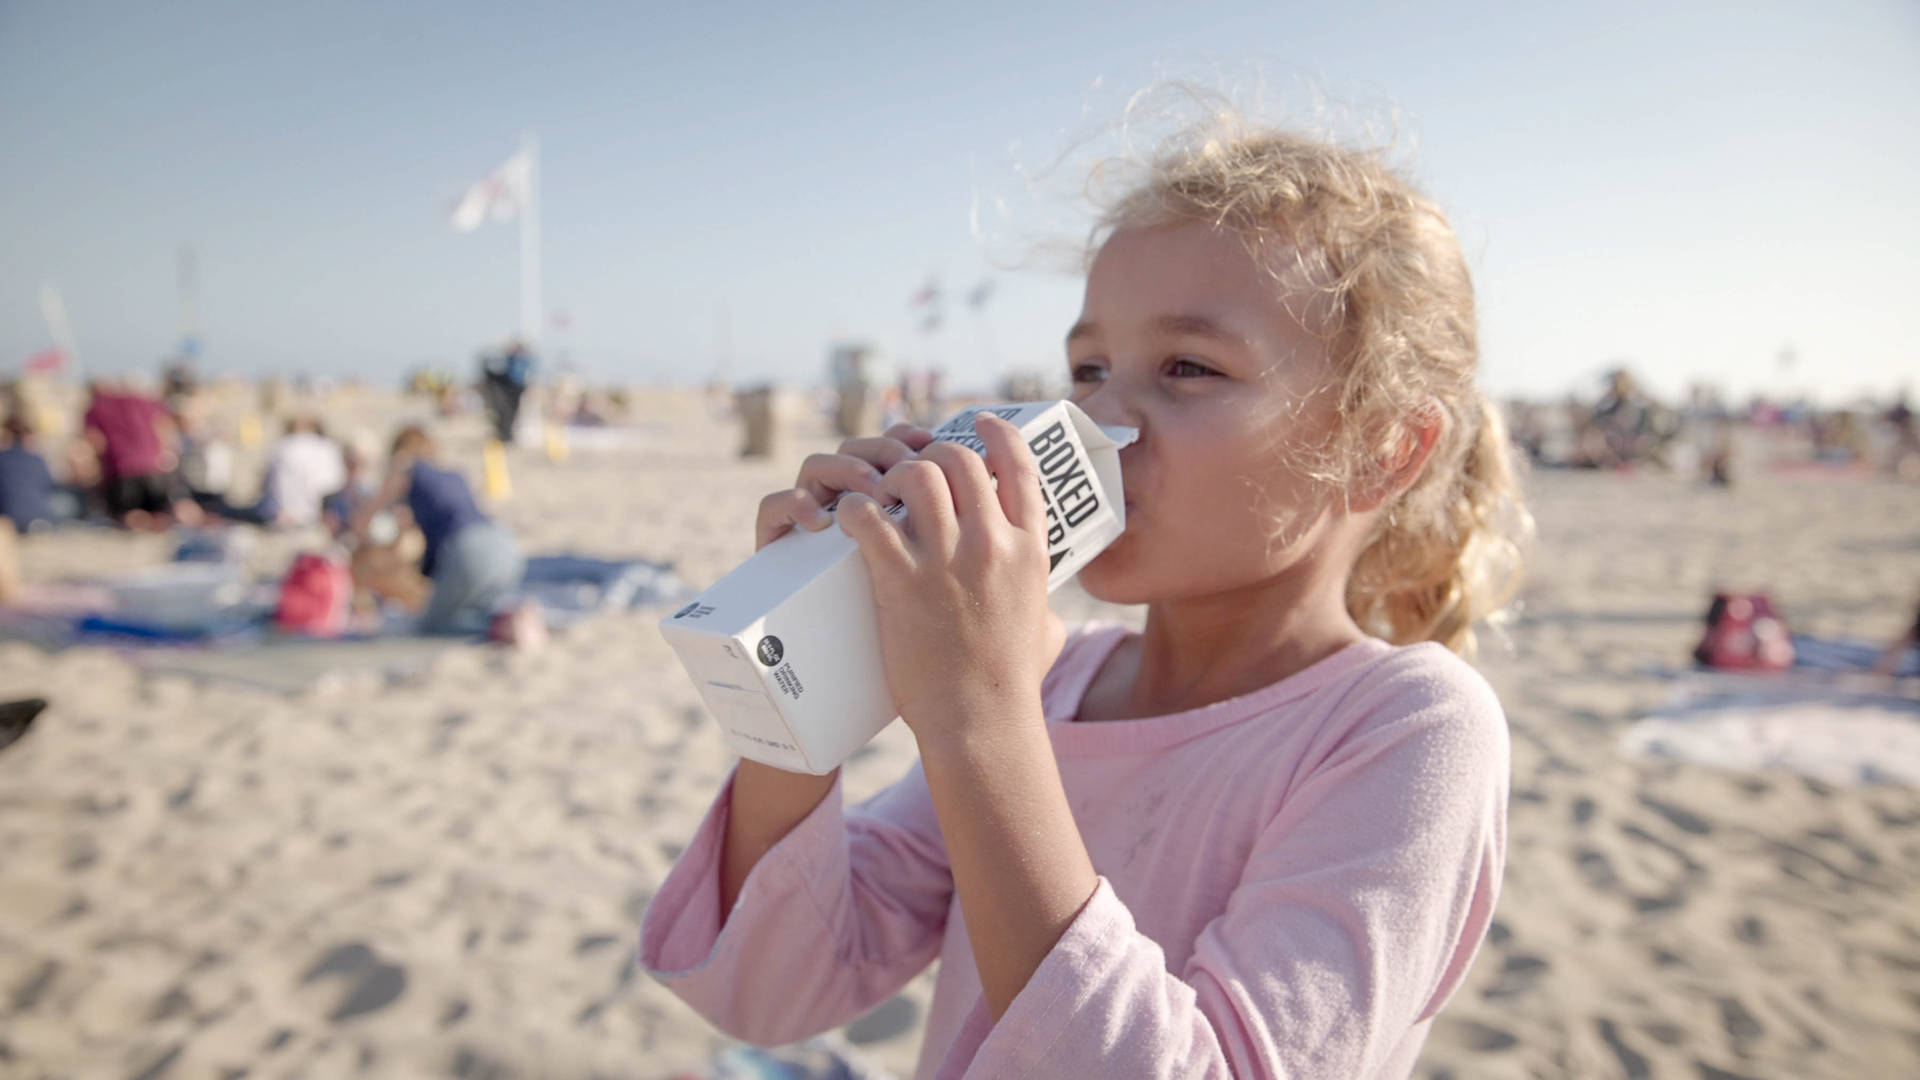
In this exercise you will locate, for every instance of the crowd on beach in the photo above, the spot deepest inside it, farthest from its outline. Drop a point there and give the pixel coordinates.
(1627, 426)
(400, 537)
(409, 537)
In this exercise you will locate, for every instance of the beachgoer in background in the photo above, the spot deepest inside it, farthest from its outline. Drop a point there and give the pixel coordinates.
(303, 468)
(1264, 835)
(503, 382)
(206, 459)
(26, 484)
(1903, 457)
(1897, 651)
(385, 559)
(137, 447)
(358, 485)
(471, 560)
(179, 385)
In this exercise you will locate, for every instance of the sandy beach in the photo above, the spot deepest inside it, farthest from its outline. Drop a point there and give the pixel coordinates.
(437, 867)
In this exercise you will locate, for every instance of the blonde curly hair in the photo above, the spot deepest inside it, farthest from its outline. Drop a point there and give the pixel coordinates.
(1447, 552)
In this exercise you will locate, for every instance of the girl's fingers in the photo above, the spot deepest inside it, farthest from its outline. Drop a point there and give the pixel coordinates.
(882, 452)
(1011, 462)
(881, 542)
(967, 479)
(915, 437)
(825, 476)
(782, 510)
(922, 487)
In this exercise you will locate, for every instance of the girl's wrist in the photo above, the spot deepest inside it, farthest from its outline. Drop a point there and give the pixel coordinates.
(972, 729)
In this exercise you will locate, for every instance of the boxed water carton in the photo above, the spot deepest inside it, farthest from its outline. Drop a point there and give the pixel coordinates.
(785, 649)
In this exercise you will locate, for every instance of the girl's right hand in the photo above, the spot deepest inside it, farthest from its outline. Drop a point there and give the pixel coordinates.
(823, 477)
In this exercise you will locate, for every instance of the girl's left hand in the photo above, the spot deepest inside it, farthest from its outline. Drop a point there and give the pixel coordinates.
(961, 585)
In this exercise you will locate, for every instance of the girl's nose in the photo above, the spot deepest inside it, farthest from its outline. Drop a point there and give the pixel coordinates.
(1108, 404)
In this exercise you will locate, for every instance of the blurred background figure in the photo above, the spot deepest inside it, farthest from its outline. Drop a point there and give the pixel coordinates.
(504, 378)
(358, 457)
(385, 559)
(26, 483)
(206, 457)
(1897, 651)
(303, 468)
(472, 560)
(1903, 459)
(137, 447)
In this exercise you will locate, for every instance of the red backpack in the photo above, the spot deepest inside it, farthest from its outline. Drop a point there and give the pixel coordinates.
(1745, 633)
(315, 597)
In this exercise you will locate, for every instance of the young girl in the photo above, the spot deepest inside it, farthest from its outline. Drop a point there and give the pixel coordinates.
(1261, 838)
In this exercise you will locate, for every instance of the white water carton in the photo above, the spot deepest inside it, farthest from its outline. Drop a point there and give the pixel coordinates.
(785, 649)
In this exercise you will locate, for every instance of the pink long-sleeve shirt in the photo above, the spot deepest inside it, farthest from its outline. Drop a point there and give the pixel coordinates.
(1291, 884)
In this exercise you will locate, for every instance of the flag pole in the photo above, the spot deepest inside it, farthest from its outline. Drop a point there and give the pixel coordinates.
(530, 246)
(54, 310)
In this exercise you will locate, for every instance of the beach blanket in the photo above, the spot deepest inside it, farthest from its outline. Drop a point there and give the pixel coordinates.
(1846, 654)
(293, 665)
(569, 587)
(173, 604)
(1812, 727)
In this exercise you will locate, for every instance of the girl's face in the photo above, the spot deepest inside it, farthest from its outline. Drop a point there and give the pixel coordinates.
(1185, 337)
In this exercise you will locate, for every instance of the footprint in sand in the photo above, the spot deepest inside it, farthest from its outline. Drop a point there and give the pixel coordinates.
(1708, 1072)
(372, 984)
(28, 994)
(1678, 816)
(1739, 1024)
(1631, 1061)
(1597, 869)
(1518, 974)
(471, 1064)
(1484, 1038)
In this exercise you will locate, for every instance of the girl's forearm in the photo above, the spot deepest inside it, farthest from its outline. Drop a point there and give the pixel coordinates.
(767, 804)
(1020, 868)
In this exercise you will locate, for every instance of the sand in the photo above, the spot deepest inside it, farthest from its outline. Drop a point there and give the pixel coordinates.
(440, 870)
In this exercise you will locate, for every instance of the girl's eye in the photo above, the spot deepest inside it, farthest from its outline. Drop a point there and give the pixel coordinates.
(1087, 373)
(1183, 368)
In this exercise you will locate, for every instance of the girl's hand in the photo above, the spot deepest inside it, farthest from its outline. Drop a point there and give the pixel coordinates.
(823, 477)
(961, 586)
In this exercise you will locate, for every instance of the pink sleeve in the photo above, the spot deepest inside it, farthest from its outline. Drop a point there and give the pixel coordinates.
(832, 921)
(1356, 915)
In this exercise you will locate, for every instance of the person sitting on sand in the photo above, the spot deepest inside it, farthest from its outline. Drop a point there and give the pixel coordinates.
(471, 560)
(26, 484)
(357, 485)
(137, 448)
(1261, 837)
(303, 468)
(385, 561)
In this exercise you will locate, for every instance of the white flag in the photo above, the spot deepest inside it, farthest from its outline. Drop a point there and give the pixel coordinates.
(499, 196)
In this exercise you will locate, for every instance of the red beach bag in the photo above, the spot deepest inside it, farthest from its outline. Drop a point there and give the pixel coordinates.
(315, 597)
(1745, 633)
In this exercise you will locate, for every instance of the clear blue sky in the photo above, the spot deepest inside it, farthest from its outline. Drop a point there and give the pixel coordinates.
(1689, 186)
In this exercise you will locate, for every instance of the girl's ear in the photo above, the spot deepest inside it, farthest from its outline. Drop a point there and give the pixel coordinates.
(1402, 457)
